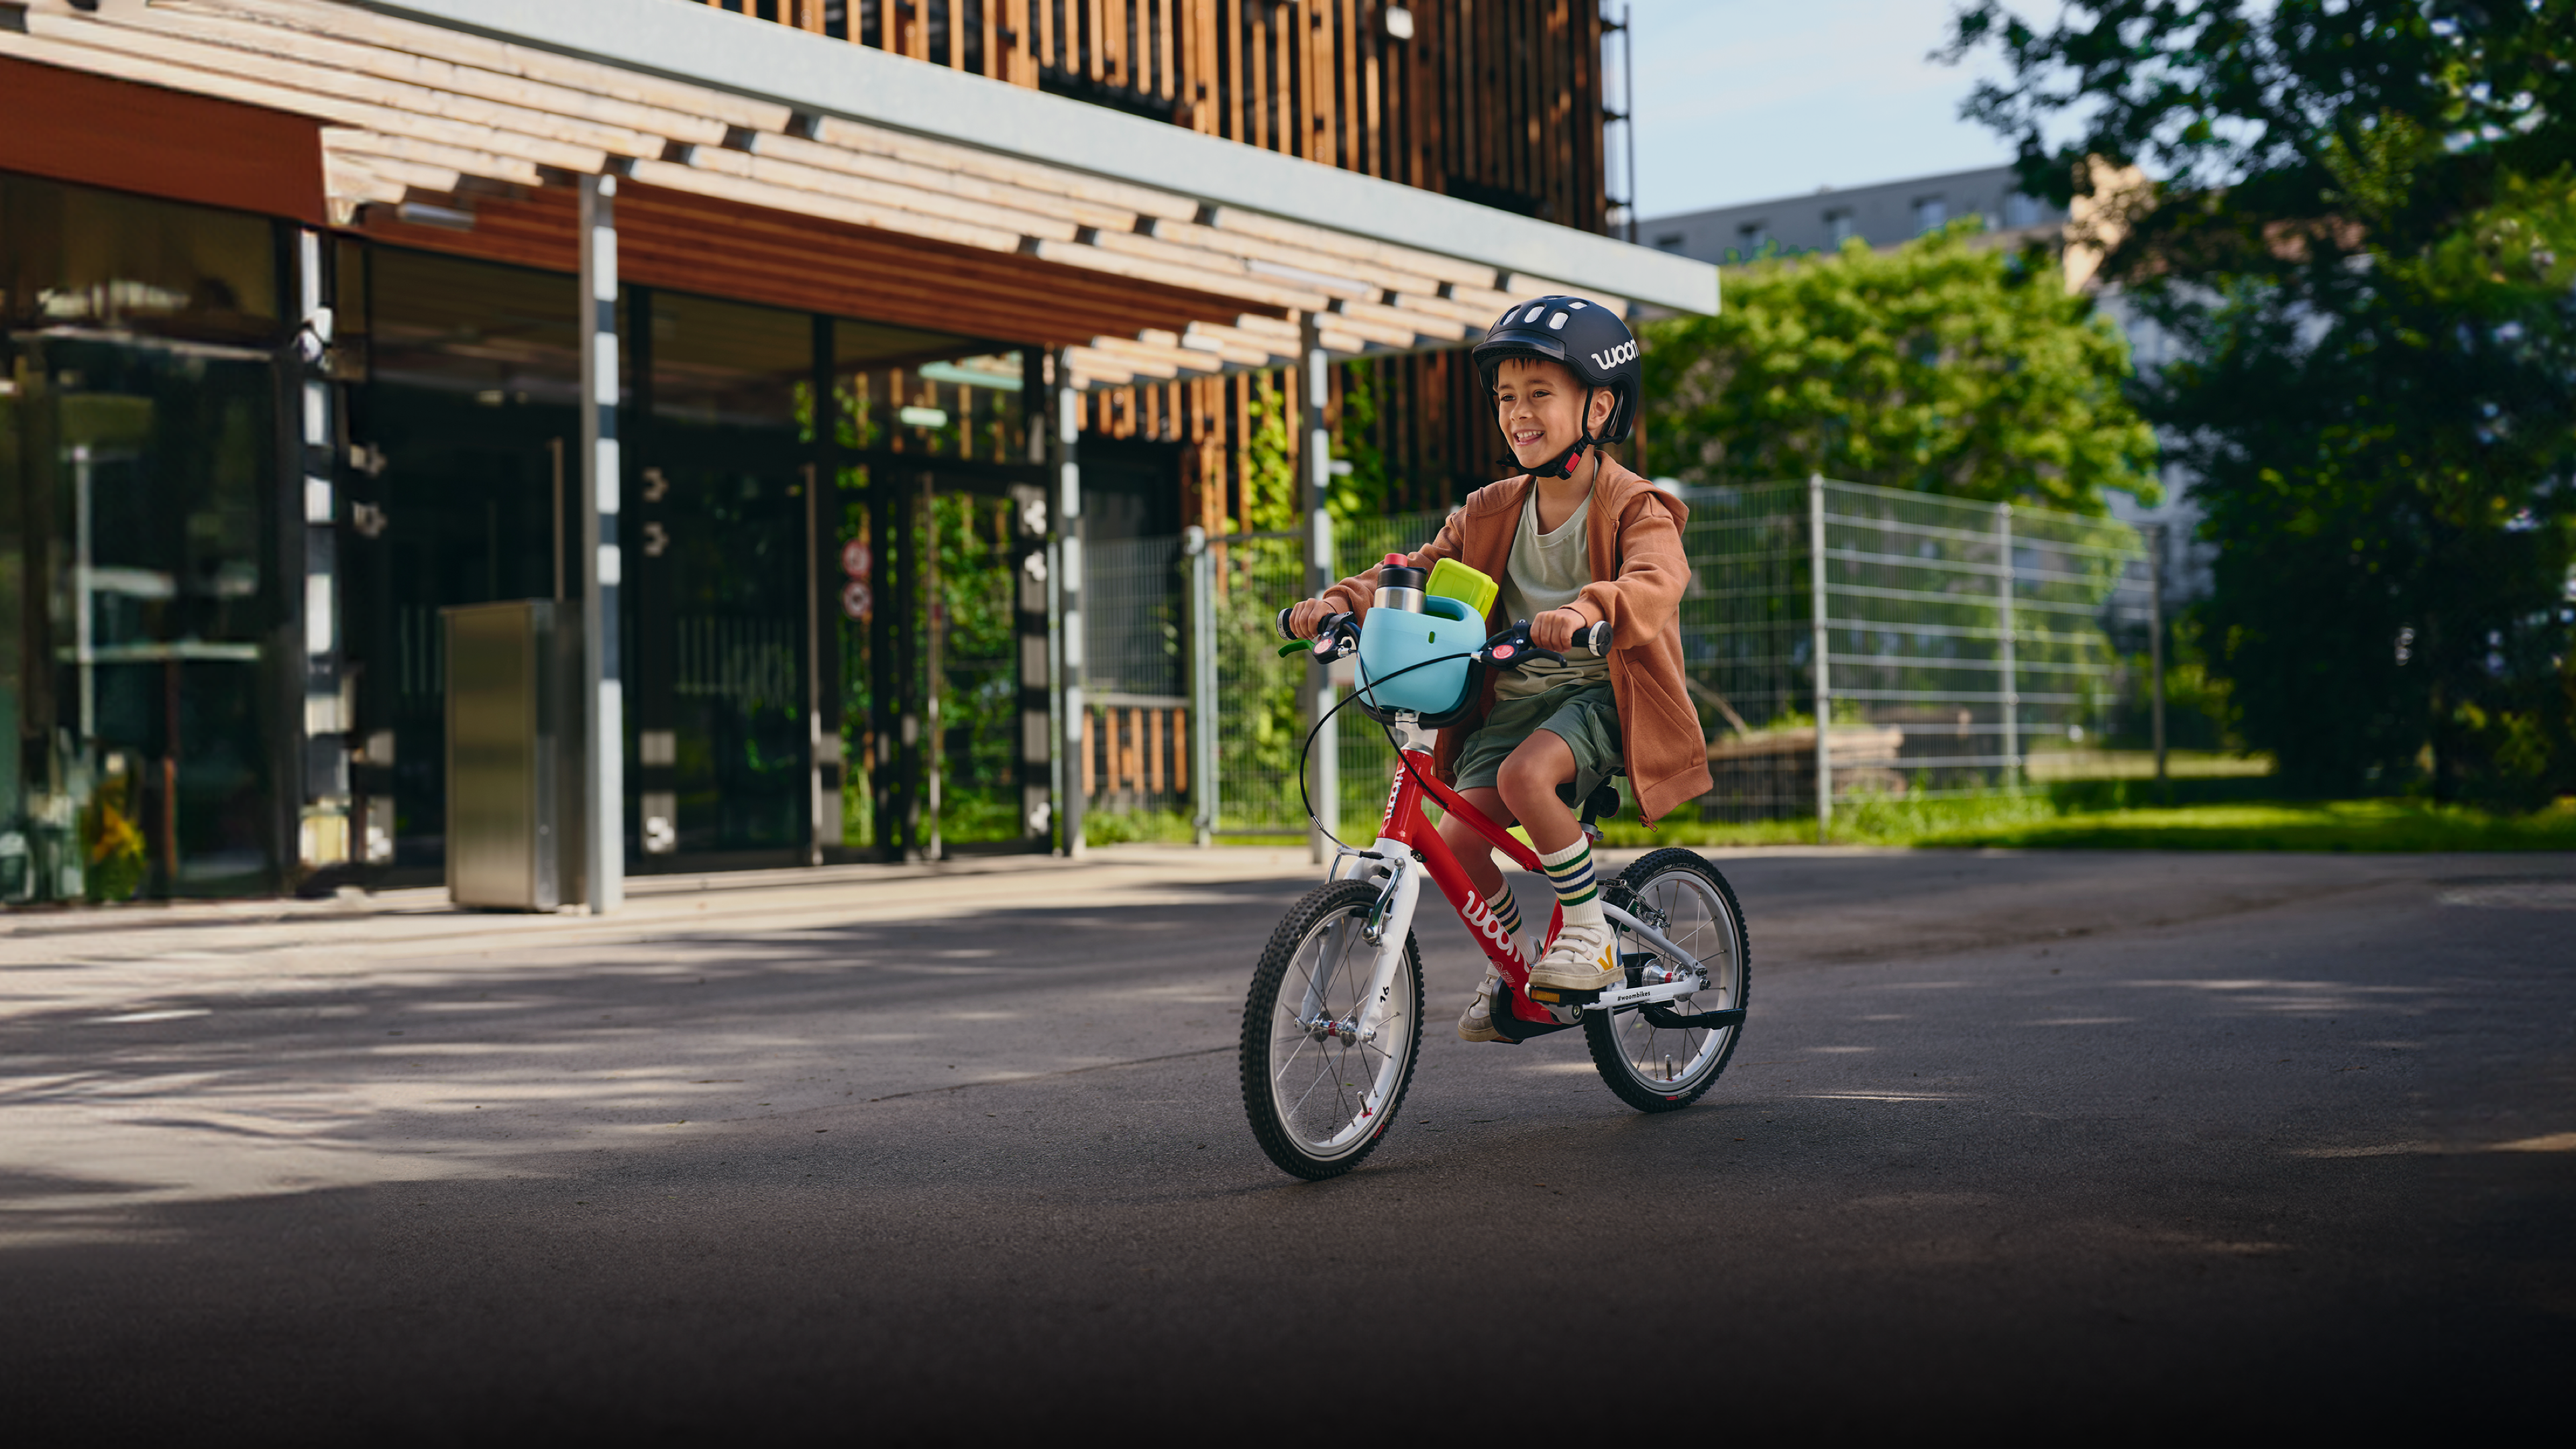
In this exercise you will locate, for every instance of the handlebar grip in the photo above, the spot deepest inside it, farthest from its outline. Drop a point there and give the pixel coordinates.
(1596, 640)
(1280, 622)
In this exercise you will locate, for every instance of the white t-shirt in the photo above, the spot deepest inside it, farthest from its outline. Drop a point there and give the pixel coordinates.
(1546, 572)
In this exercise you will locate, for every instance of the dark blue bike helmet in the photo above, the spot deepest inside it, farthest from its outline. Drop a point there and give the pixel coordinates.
(1588, 338)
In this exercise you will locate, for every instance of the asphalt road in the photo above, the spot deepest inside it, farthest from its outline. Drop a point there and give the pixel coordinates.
(2092, 1147)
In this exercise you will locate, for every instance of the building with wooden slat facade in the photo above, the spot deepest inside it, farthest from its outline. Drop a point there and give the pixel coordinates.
(795, 354)
(1501, 103)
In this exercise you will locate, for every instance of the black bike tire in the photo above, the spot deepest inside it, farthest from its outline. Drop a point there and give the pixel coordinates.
(1600, 1031)
(1259, 1106)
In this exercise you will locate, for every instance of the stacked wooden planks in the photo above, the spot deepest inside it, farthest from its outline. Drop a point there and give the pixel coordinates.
(418, 113)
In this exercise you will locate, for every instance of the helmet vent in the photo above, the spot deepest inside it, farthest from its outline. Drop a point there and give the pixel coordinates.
(1557, 322)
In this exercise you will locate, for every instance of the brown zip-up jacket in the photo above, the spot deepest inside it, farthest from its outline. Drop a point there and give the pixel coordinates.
(1639, 574)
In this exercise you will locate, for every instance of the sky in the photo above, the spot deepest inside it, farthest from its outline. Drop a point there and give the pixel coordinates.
(1748, 100)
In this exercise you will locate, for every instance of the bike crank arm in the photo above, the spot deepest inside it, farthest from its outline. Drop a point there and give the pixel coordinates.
(1649, 1000)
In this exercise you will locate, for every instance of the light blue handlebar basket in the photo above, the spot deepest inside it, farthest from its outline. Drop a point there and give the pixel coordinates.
(1392, 640)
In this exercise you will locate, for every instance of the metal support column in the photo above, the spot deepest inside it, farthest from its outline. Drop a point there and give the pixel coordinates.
(1033, 619)
(1317, 455)
(2156, 639)
(824, 761)
(1068, 593)
(1203, 706)
(1819, 645)
(603, 794)
(934, 670)
(2010, 683)
(322, 816)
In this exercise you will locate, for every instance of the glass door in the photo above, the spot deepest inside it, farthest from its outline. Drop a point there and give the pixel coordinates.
(717, 680)
(141, 593)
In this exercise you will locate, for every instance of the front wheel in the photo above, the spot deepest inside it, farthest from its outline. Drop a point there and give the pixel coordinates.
(1651, 1056)
(1320, 1093)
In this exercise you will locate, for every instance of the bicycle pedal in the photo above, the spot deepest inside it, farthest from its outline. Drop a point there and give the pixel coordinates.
(1565, 1008)
(1509, 1020)
(1559, 996)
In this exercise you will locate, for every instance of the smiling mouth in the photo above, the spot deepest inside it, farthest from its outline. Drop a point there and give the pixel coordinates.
(1525, 440)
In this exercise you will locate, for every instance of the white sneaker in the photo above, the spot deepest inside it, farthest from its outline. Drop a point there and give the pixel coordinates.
(1477, 1024)
(1584, 958)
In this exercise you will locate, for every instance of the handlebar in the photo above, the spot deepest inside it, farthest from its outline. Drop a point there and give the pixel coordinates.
(1339, 634)
(1512, 648)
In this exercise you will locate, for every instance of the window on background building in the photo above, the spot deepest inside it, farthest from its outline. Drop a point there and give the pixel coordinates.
(929, 393)
(1670, 241)
(2020, 211)
(102, 260)
(470, 409)
(1752, 237)
(139, 485)
(1839, 227)
(1930, 214)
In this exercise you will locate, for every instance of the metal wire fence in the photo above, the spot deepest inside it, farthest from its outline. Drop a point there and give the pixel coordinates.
(1135, 743)
(1958, 639)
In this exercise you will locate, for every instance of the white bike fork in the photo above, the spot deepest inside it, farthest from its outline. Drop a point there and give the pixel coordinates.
(1389, 922)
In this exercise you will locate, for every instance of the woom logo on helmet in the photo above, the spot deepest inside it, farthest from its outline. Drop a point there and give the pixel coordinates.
(1624, 352)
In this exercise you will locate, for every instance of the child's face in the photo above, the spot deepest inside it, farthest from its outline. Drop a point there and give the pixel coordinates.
(1540, 406)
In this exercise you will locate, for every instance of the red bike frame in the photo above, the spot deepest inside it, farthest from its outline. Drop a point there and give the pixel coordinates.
(1406, 824)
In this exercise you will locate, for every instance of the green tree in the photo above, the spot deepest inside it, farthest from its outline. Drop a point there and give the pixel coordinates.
(2362, 224)
(1941, 366)
(1366, 491)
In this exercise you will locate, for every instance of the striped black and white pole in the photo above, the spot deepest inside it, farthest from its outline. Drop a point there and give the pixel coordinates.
(1317, 456)
(1070, 799)
(604, 762)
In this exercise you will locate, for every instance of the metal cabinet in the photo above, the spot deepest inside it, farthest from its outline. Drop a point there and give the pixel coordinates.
(513, 755)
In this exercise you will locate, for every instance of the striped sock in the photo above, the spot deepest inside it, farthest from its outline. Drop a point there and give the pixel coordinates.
(1505, 909)
(1570, 871)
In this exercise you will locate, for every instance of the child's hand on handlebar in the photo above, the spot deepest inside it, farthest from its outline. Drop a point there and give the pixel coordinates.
(1304, 619)
(1556, 629)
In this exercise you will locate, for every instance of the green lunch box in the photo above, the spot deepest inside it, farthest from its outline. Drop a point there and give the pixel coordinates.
(1451, 579)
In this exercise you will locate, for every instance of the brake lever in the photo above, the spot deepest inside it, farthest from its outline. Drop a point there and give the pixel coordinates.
(1512, 648)
(1339, 636)
(1336, 636)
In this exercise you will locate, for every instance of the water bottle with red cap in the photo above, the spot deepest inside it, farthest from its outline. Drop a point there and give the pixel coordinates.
(1399, 585)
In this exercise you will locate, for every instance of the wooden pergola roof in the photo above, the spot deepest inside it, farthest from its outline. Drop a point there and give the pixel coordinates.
(461, 141)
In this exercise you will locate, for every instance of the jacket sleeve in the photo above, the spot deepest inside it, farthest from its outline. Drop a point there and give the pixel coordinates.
(1645, 600)
(1352, 595)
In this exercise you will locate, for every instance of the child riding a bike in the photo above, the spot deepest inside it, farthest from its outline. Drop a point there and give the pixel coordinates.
(1576, 540)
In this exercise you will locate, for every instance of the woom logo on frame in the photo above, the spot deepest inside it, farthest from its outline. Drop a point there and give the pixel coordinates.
(1486, 924)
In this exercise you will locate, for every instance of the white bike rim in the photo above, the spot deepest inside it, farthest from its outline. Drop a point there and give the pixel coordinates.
(1700, 923)
(1348, 1084)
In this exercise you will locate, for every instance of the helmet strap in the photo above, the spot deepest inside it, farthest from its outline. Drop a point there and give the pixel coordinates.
(1564, 464)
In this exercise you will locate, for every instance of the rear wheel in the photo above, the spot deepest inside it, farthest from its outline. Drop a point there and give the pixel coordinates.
(1320, 1094)
(1652, 1056)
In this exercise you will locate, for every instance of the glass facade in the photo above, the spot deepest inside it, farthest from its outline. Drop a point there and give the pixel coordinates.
(718, 579)
(739, 630)
(822, 519)
(465, 493)
(142, 615)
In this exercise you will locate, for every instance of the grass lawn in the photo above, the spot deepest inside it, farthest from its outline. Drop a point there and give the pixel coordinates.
(2036, 820)
(2324, 825)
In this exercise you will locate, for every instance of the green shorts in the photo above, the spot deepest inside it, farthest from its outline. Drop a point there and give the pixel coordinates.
(1585, 716)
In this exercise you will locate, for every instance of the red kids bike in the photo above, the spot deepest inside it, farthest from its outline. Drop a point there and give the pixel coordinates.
(1333, 1024)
